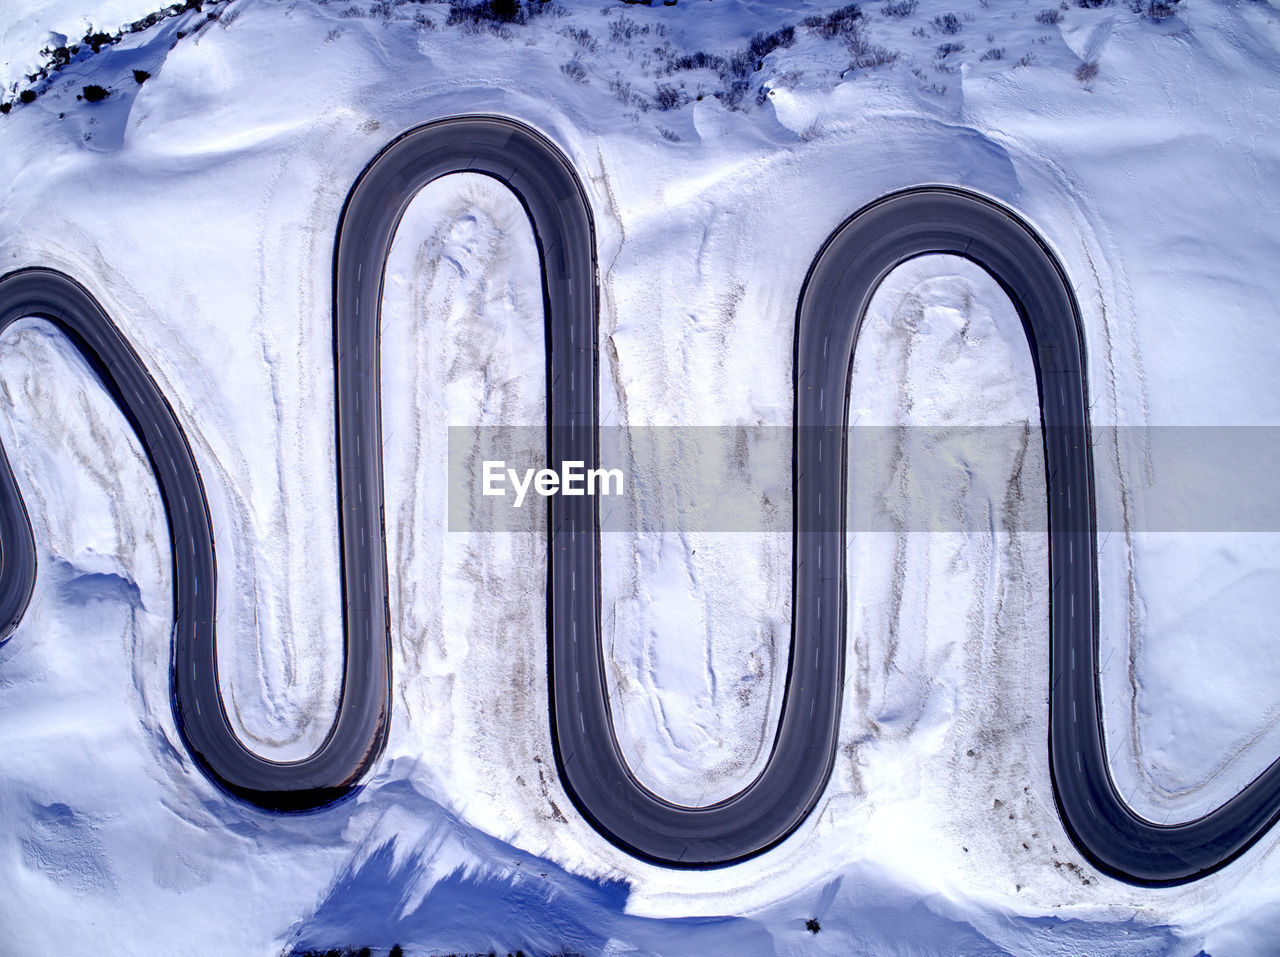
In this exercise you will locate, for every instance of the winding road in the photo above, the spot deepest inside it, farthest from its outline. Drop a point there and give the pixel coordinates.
(836, 293)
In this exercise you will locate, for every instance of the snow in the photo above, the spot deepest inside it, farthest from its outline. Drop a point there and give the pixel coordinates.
(28, 26)
(200, 208)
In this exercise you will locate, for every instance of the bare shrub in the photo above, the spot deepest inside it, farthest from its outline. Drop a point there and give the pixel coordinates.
(574, 71)
(948, 23)
(701, 60)
(737, 68)
(1155, 10)
(494, 13)
(581, 37)
(669, 97)
(624, 30)
(871, 56)
(762, 44)
(733, 94)
(837, 23)
(627, 96)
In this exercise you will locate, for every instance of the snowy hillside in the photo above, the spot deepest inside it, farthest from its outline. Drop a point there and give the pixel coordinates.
(720, 143)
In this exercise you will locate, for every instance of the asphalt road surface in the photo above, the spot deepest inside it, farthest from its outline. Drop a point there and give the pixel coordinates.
(834, 299)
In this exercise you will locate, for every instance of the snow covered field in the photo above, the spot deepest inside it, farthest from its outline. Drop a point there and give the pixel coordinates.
(200, 207)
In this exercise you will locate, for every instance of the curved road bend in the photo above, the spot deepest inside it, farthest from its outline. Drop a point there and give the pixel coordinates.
(836, 293)
(842, 280)
(49, 295)
(17, 551)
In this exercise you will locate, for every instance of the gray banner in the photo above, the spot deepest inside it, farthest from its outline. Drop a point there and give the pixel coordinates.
(969, 479)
